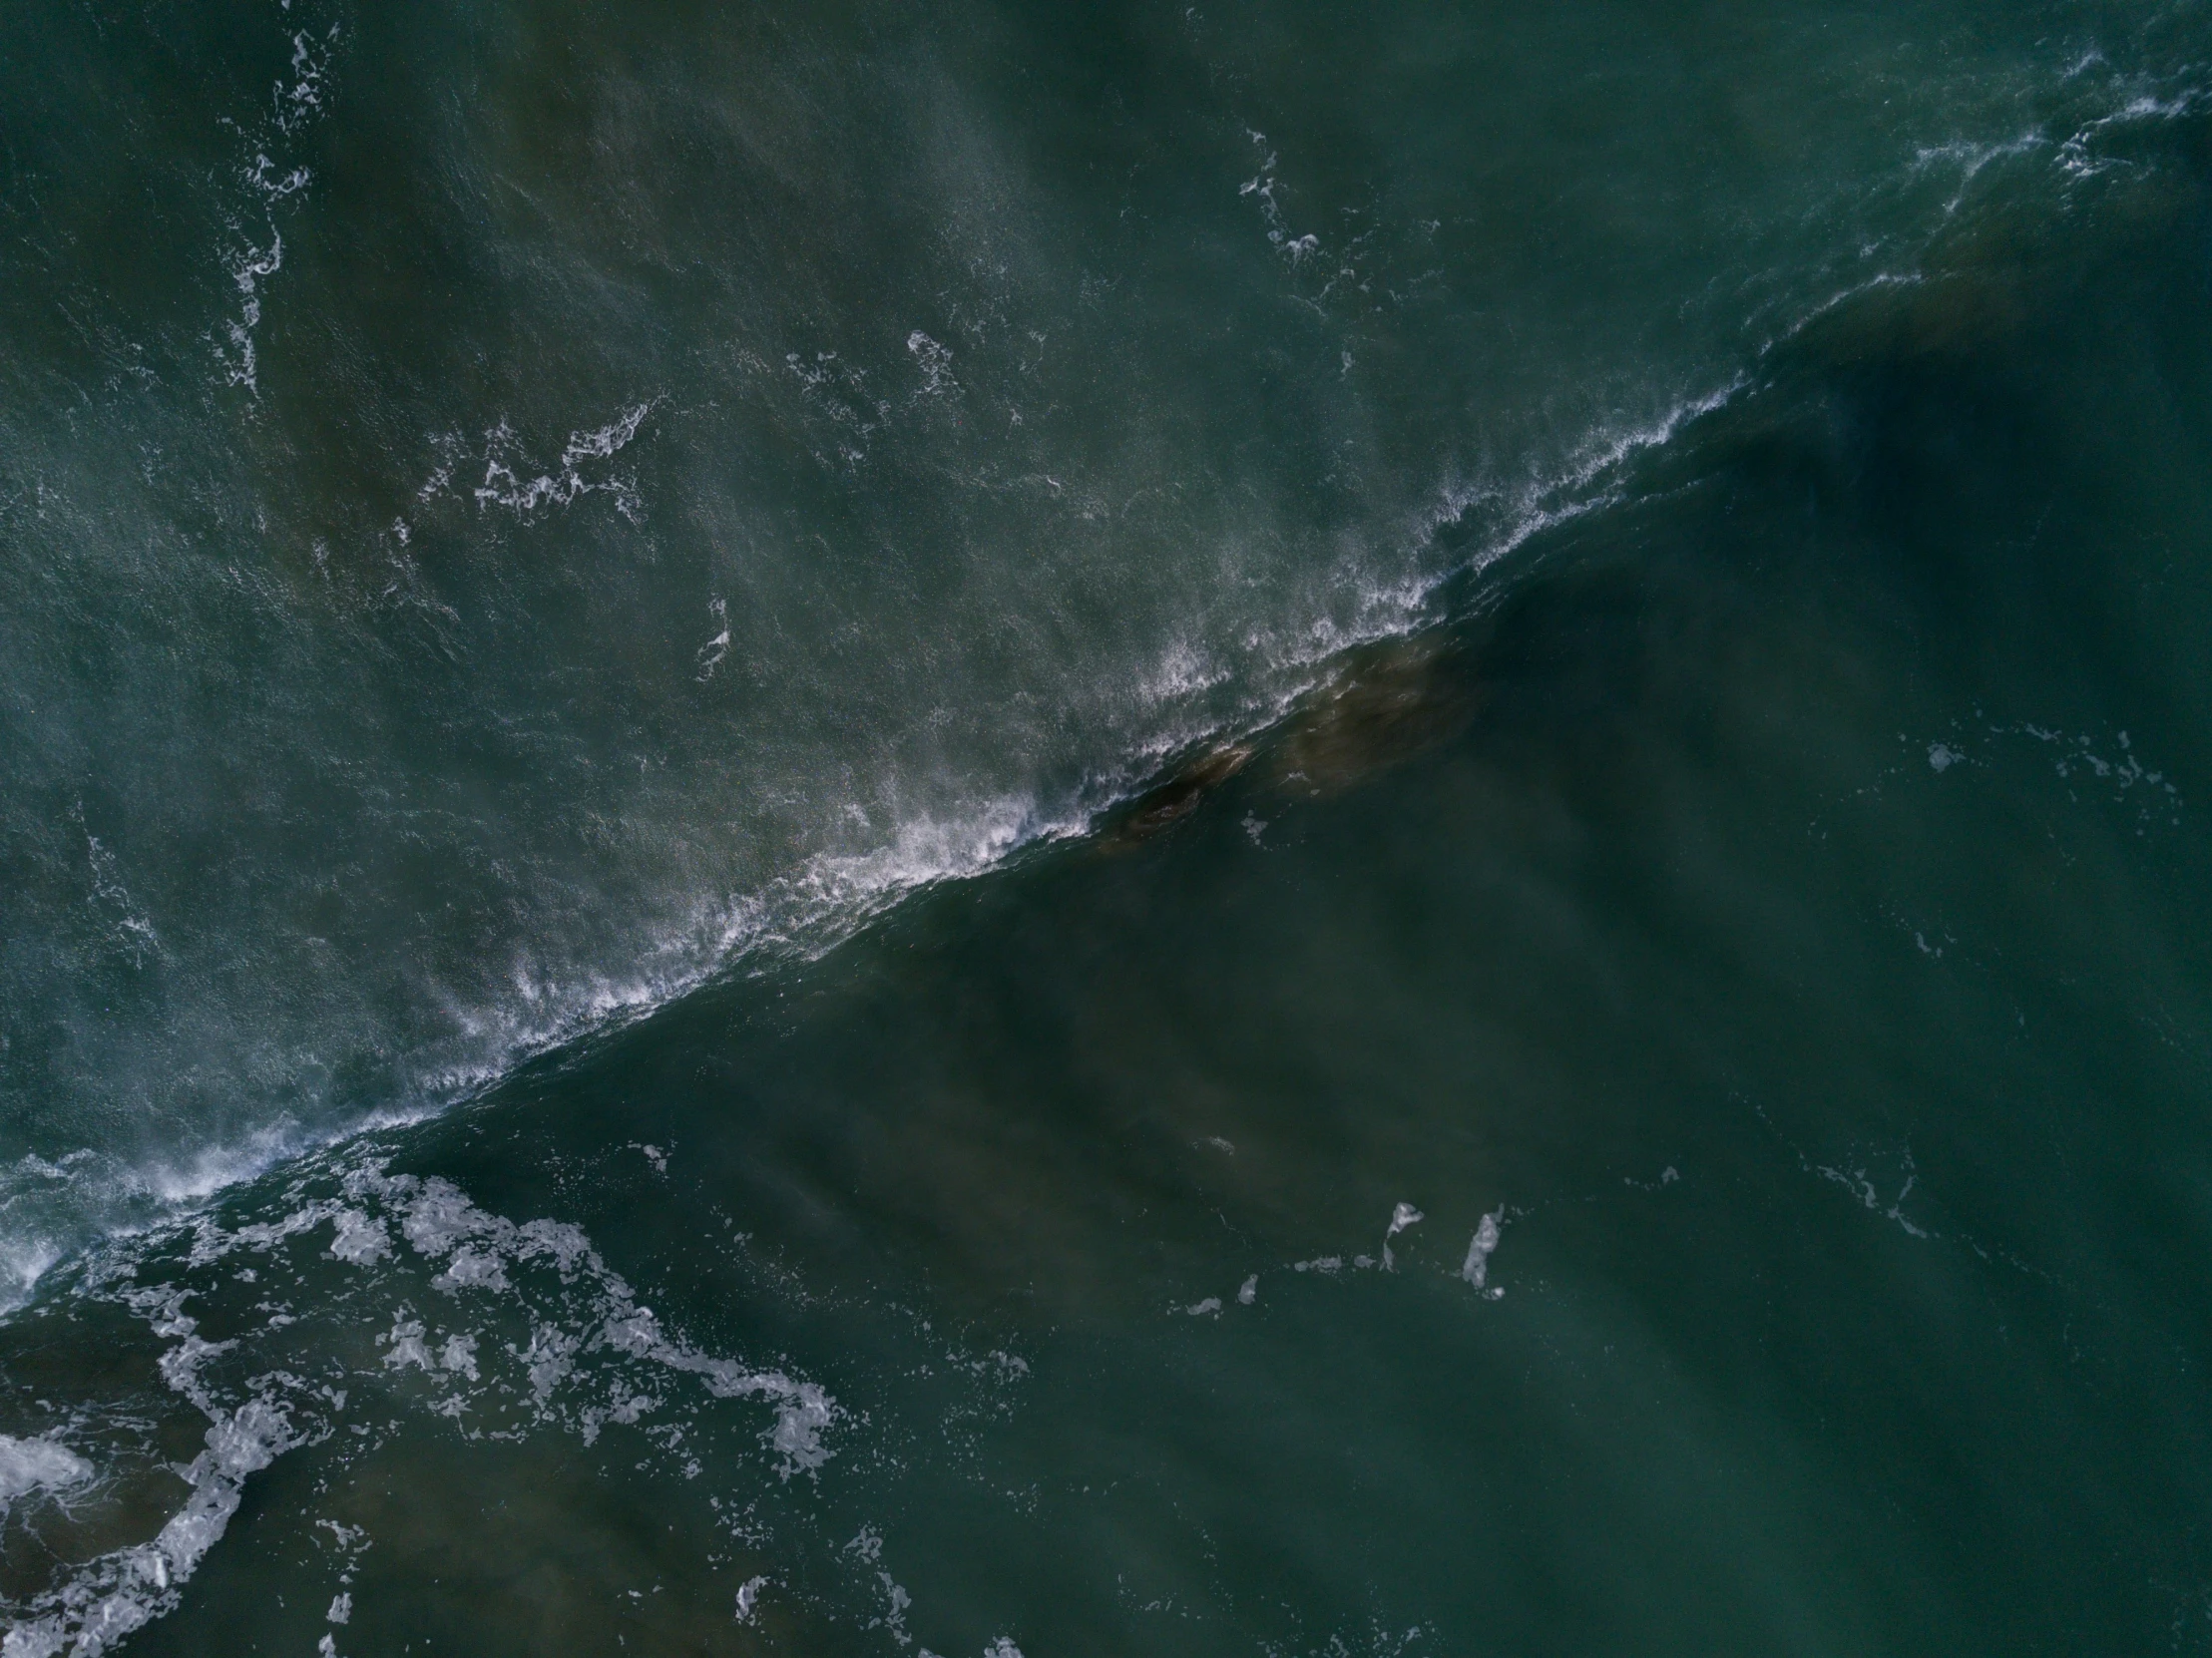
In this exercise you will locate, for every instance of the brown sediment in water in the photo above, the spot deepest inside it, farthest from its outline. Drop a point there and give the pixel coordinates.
(1384, 705)
(1162, 808)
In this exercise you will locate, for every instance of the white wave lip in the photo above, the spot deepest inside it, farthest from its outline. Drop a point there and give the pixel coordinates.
(1190, 695)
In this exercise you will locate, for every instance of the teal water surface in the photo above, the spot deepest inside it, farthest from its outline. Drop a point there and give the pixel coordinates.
(1266, 829)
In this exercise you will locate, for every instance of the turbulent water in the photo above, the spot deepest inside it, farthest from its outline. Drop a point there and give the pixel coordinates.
(1023, 830)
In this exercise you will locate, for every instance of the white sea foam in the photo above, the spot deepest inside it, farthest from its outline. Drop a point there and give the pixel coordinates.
(828, 896)
(44, 1201)
(867, 1546)
(509, 483)
(1262, 187)
(294, 103)
(360, 1240)
(247, 271)
(1593, 477)
(1860, 1185)
(406, 1345)
(129, 1588)
(935, 364)
(28, 1465)
(1403, 1216)
(134, 929)
(482, 1257)
(543, 1272)
(709, 655)
(1968, 158)
(1184, 671)
(1480, 1248)
(1185, 699)
(609, 439)
(25, 1259)
(1194, 695)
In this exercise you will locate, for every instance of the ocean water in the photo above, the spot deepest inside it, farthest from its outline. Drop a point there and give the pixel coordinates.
(1280, 829)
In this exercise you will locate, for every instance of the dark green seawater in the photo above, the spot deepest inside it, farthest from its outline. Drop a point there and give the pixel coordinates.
(1025, 830)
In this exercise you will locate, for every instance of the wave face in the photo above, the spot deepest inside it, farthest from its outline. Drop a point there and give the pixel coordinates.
(534, 537)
